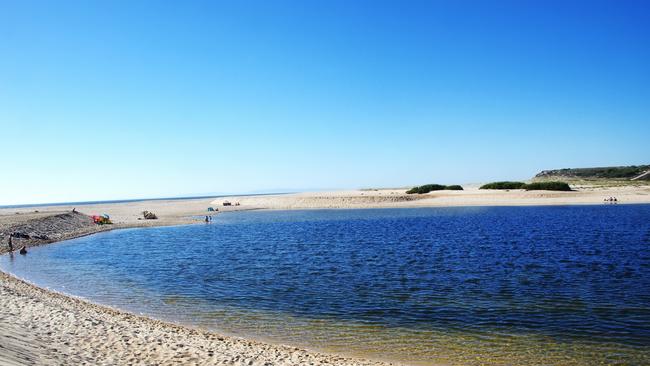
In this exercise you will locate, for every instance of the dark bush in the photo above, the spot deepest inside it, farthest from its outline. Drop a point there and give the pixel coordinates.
(504, 185)
(547, 186)
(433, 187)
(454, 187)
(537, 186)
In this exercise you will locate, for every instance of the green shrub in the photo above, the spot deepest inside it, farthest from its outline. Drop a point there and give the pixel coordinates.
(454, 187)
(537, 186)
(548, 186)
(504, 185)
(433, 187)
(426, 188)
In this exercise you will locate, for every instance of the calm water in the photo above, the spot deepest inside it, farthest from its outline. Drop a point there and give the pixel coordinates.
(501, 285)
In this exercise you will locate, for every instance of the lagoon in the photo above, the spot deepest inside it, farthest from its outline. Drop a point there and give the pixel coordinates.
(559, 285)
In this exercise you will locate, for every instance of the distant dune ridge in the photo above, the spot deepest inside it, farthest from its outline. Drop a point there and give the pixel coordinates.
(631, 172)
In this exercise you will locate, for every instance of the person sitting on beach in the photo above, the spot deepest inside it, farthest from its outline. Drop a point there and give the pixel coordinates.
(74, 210)
(23, 250)
(11, 244)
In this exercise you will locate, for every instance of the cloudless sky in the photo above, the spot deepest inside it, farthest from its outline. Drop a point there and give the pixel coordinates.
(130, 99)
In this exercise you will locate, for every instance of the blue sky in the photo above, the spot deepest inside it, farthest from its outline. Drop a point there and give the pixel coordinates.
(130, 99)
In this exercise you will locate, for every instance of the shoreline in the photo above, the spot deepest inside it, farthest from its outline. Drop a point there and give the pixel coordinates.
(51, 318)
(188, 333)
(24, 344)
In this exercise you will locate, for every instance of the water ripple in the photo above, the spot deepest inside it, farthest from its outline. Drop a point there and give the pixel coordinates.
(543, 285)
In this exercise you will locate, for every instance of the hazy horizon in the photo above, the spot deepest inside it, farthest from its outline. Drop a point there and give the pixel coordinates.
(121, 100)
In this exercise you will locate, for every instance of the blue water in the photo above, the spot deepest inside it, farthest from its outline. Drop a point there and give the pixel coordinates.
(500, 285)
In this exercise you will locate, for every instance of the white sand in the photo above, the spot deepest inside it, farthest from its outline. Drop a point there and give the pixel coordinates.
(471, 196)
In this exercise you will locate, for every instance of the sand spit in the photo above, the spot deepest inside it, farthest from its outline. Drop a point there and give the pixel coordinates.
(471, 196)
(47, 224)
(37, 229)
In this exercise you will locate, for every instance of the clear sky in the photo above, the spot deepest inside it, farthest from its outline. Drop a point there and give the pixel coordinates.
(131, 99)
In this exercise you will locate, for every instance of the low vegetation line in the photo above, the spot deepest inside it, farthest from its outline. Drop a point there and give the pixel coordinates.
(504, 185)
(535, 186)
(433, 187)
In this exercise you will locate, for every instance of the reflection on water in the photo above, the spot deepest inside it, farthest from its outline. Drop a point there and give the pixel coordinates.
(503, 285)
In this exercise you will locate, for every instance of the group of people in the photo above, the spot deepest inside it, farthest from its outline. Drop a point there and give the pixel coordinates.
(611, 200)
(23, 250)
(208, 218)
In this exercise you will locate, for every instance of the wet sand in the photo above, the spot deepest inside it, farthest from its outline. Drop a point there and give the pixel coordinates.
(45, 328)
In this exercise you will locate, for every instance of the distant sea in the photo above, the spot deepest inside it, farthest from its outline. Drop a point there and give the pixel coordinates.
(81, 203)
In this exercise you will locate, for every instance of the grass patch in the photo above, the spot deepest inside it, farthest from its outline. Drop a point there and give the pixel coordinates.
(433, 187)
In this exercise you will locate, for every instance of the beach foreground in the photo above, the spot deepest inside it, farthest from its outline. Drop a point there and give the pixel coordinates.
(41, 327)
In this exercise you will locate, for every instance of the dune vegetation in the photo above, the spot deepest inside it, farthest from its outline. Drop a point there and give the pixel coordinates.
(433, 187)
(535, 186)
(504, 185)
(611, 172)
(547, 186)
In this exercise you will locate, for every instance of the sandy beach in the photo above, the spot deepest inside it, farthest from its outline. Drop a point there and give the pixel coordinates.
(470, 196)
(41, 327)
(45, 328)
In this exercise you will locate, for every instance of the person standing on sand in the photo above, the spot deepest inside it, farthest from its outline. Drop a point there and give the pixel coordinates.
(11, 244)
